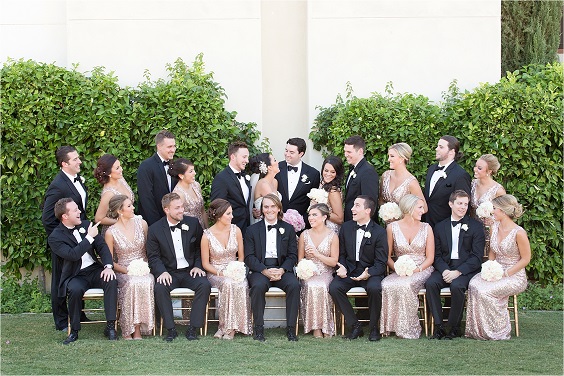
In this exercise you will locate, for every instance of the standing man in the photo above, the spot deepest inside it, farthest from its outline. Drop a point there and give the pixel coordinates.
(443, 178)
(459, 246)
(75, 240)
(153, 181)
(362, 178)
(173, 250)
(67, 183)
(271, 252)
(296, 178)
(362, 262)
(233, 185)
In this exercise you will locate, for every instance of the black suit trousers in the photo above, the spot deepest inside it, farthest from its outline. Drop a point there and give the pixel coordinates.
(259, 285)
(201, 287)
(58, 304)
(458, 288)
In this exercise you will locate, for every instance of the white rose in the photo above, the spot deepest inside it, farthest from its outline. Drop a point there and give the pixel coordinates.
(248, 177)
(82, 230)
(185, 227)
(281, 230)
(367, 235)
(464, 227)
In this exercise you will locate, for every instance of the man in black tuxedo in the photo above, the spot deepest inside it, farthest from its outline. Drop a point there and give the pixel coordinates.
(75, 240)
(363, 254)
(271, 253)
(153, 181)
(443, 178)
(233, 185)
(67, 183)
(173, 250)
(296, 178)
(362, 178)
(459, 246)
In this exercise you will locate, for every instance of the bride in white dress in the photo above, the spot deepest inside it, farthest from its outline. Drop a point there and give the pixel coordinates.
(266, 167)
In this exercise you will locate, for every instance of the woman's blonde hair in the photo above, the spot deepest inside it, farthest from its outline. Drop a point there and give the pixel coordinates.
(407, 203)
(509, 205)
(492, 162)
(403, 150)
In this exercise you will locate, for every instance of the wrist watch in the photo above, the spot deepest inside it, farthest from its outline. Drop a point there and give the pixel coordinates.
(108, 266)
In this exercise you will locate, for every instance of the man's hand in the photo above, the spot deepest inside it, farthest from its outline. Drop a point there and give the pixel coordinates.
(342, 271)
(256, 213)
(363, 276)
(195, 271)
(165, 279)
(451, 275)
(93, 229)
(107, 274)
(273, 274)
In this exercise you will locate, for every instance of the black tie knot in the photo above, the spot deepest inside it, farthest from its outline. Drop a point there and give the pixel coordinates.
(439, 168)
(239, 174)
(270, 227)
(351, 168)
(292, 168)
(178, 225)
(454, 223)
(166, 163)
(76, 179)
(361, 227)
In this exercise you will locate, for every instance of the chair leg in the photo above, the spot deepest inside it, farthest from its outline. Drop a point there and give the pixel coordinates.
(516, 314)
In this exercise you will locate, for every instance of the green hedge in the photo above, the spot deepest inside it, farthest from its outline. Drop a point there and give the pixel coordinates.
(45, 106)
(519, 119)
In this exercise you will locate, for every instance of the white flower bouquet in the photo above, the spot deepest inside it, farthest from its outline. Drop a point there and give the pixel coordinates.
(491, 271)
(236, 271)
(138, 267)
(485, 209)
(306, 269)
(295, 219)
(389, 211)
(319, 195)
(404, 266)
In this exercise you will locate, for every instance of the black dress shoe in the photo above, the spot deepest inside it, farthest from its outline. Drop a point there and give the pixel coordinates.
(356, 331)
(191, 333)
(374, 334)
(171, 335)
(71, 338)
(438, 333)
(110, 333)
(259, 333)
(291, 334)
(454, 333)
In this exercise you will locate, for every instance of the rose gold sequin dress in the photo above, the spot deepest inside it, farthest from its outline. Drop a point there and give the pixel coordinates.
(332, 225)
(400, 191)
(234, 304)
(193, 207)
(475, 202)
(115, 192)
(400, 302)
(316, 305)
(135, 293)
(486, 312)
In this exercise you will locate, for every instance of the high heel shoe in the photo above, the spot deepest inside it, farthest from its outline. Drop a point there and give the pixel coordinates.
(317, 333)
(218, 334)
(229, 335)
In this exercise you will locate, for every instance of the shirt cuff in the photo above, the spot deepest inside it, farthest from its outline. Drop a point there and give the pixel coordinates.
(89, 238)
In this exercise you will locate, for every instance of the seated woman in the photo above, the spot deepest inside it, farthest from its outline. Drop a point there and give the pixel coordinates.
(221, 244)
(320, 245)
(400, 301)
(332, 172)
(486, 313)
(126, 240)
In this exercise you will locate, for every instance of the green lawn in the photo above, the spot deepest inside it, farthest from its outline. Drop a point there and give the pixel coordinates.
(30, 345)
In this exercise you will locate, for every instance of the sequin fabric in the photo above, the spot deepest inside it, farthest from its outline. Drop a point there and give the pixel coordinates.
(193, 207)
(316, 305)
(115, 192)
(487, 316)
(234, 304)
(400, 191)
(135, 293)
(400, 302)
(475, 201)
(332, 225)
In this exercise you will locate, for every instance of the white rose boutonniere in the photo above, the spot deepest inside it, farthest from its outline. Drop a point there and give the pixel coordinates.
(281, 230)
(353, 174)
(185, 227)
(367, 235)
(442, 174)
(304, 179)
(82, 230)
(82, 179)
(248, 177)
(464, 227)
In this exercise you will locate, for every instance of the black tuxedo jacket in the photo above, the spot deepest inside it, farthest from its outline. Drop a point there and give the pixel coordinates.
(226, 185)
(373, 250)
(152, 185)
(64, 244)
(299, 200)
(470, 246)
(366, 182)
(255, 246)
(437, 202)
(160, 248)
(59, 188)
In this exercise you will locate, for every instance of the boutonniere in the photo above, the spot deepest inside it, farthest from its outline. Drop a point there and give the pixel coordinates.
(367, 235)
(304, 179)
(185, 227)
(353, 174)
(281, 230)
(82, 230)
(248, 177)
(464, 227)
(442, 174)
(81, 179)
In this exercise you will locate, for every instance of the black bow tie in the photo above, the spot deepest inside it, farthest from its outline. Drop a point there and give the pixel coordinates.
(439, 168)
(351, 168)
(361, 227)
(76, 179)
(75, 228)
(270, 227)
(239, 174)
(292, 168)
(178, 225)
(454, 223)
(166, 163)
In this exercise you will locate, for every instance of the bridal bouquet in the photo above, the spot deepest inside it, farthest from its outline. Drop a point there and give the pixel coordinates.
(295, 219)
(138, 267)
(319, 195)
(236, 271)
(404, 266)
(491, 271)
(306, 269)
(389, 211)
(485, 209)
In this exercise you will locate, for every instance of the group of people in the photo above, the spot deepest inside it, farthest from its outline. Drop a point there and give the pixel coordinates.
(175, 242)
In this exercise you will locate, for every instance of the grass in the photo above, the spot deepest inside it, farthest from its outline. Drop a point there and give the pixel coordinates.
(30, 345)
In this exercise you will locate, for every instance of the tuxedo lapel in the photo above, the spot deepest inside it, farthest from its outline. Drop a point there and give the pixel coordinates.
(448, 232)
(462, 233)
(284, 178)
(72, 188)
(262, 239)
(168, 236)
(364, 238)
(428, 179)
(237, 183)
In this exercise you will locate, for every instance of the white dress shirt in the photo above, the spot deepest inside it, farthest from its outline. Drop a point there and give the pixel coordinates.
(181, 261)
(78, 187)
(359, 236)
(455, 237)
(86, 260)
(293, 179)
(436, 176)
(168, 177)
(244, 186)
(271, 250)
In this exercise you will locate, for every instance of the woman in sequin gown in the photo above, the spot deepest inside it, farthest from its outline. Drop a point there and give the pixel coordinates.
(398, 181)
(266, 167)
(400, 302)
(221, 244)
(332, 172)
(126, 240)
(321, 245)
(109, 174)
(188, 189)
(484, 189)
(486, 311)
